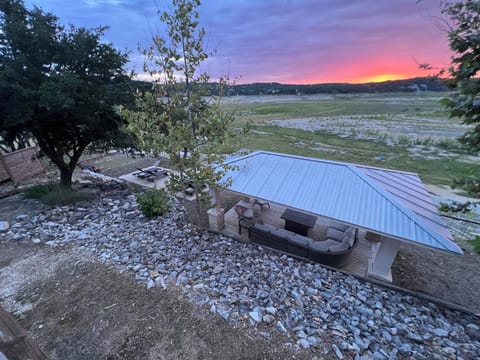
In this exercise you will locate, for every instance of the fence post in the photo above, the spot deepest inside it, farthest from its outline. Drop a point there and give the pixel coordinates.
(14, 342)
(4, 164)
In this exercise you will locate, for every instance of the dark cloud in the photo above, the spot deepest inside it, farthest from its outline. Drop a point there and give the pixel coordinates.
(285, 40)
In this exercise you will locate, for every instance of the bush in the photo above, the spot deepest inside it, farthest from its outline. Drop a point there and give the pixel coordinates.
(38, 191)
(476, 244)
(153, 202)
(470, 184)
(54, 194)
(455, 206)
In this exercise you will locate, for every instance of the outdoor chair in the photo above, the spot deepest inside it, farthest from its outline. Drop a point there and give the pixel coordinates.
(244, 211)
(190, 187)
(245, 223)
(261, 203)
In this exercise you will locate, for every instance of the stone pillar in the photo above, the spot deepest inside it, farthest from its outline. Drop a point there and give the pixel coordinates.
(381, 265)
(216, 218)
(218, 199)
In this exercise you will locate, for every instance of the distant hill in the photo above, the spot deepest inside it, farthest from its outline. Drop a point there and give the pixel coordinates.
(407, 85)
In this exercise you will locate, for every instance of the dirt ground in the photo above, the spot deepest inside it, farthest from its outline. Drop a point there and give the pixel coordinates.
(77, 308)
(116, 165)
(450, 277)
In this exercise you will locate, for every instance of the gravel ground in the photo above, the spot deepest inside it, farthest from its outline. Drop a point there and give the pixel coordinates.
(263, 293)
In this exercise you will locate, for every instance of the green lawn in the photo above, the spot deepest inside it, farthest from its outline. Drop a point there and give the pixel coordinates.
(476, 244)
(362, 104)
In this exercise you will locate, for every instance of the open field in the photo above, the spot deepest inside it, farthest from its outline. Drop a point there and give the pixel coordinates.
(409, 132)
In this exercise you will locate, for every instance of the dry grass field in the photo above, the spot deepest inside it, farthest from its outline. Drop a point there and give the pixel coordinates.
(403, 131)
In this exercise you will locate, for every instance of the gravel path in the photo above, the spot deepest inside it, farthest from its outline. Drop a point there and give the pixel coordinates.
(319, 309)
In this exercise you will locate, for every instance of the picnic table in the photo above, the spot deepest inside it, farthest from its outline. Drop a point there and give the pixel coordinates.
(151, 174)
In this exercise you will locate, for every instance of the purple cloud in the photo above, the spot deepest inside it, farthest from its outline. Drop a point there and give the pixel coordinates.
(295, 41)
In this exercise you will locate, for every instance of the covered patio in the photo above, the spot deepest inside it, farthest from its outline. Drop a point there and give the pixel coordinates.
(386, 206)
(271, 215)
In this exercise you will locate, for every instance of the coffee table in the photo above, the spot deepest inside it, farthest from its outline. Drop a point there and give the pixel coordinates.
(297, 221)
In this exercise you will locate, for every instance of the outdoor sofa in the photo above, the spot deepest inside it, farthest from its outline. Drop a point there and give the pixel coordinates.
(334, 251)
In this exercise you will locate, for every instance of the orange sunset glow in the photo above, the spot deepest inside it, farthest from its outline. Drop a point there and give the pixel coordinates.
(289, 41)
(379, 78)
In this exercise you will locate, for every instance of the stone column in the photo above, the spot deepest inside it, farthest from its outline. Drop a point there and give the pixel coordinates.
(216, 218)
(216, 215)
(218, 199)
(381, 265)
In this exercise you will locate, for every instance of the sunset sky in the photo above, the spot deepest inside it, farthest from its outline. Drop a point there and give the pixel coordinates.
(287, 41)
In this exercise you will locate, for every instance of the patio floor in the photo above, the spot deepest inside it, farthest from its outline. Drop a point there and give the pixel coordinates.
(155, 183)
(359, 261)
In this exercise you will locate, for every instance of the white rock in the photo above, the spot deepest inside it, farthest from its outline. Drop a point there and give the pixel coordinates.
(150, 284)
(255, 316)
(4, 226)
(440, 332)
(159, 281)
(22, 217)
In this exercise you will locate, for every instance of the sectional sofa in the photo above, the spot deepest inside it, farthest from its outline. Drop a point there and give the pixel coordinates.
(334, 251)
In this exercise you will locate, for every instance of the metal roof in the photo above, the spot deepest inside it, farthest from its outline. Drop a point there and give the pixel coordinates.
(389, 202)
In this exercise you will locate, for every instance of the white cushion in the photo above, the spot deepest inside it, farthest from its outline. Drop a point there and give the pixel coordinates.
(243, 211)
(334, 234)
(322, 245)
(339, 247)
(248, 213)
(264, 227)
(339, 226)
(349, 237)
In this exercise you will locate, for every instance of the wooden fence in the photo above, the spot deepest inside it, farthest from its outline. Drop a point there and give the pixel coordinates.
(20, 165)
(14, 342)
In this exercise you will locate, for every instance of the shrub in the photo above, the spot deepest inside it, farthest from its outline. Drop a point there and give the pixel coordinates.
(449, 144)
(470, 184)
(455, 206)
(476, 244)
(38, 191)
(54, 194)
(153, 202)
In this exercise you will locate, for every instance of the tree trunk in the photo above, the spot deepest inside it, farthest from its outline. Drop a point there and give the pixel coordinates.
(66, 177)
(58, 158)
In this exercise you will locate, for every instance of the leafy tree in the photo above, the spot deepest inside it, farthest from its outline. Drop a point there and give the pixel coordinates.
(176, 117)
(464, 40)
(58, 84)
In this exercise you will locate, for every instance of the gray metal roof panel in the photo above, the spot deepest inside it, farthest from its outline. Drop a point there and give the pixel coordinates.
(386, 201)
(409, 191)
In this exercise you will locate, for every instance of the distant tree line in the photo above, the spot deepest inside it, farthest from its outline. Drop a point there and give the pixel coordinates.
(408, 85)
